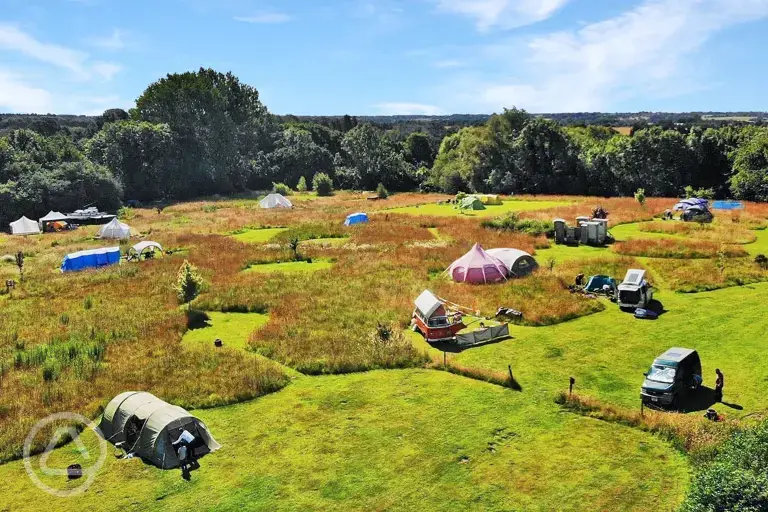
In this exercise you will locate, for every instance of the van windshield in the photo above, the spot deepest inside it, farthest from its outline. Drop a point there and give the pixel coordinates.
(439, 321)
(662, 374)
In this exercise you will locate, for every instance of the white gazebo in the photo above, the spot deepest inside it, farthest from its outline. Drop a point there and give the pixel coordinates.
(25, 226)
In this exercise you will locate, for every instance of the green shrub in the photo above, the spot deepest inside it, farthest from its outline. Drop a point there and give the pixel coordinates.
(322, 184)
(737, 477)
(513, 222)
(382, 192)
(282, 189)
(125, 213)
(640, 196)
(703, 193)
(302, 185)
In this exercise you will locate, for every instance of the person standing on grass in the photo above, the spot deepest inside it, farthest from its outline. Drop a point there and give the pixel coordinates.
(719, 383)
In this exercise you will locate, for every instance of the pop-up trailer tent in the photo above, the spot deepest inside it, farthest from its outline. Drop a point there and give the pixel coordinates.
(93, 258)
(356, 218)
(432, 319)
(478, 267)
(115, 230)
(275, 201)
(25, 226)
(149, 427)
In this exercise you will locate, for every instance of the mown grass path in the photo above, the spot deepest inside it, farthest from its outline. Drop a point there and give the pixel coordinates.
(390, 440)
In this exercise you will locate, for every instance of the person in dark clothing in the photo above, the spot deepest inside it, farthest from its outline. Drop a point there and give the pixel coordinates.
(719, 383)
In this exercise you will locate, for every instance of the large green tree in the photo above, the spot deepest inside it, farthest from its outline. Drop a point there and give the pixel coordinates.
(369, 158)
(38, 174)
(297, 155)
(750, 178)
(142, 156)
(220, 123)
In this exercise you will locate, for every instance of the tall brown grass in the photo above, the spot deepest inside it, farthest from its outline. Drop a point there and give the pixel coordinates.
(621, 210)
(693, 434)
(123, 327)
(677, 248)
(719, 232)
(700, 275)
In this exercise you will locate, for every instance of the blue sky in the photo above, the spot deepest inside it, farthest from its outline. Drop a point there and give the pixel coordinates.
(317, 57)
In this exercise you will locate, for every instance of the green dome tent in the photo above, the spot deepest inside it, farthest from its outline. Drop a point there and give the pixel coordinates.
(149, 426)
(471, 203)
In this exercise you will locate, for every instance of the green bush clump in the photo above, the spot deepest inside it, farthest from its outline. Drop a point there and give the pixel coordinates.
(513, 222)
(301, 186)
(382, 192)
(736, 478)
(322, 184)
(282, 189)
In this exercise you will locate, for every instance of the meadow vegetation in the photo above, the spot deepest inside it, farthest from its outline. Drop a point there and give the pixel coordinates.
(70, 342)
(678, 248)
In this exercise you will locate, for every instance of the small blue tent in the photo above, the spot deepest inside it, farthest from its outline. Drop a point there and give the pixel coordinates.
(93, 258)
(356, 218)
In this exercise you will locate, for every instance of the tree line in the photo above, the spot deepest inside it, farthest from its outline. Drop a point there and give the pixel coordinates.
(203, 133)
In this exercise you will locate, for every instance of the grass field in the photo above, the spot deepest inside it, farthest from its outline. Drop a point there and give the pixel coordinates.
(258, 236)
(232, 328)
(400, 440)
(317, 409)
(291, 267)
(448, 210)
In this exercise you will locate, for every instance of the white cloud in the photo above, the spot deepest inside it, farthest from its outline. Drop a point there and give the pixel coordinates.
(644, 51)
(17, 96)
(113, 42)
(15, 40)
(503, 14)
(267, 18)
(408, 109)
(11, 38)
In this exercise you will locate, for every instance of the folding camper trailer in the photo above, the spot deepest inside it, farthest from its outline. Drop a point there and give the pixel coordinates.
(431, 319)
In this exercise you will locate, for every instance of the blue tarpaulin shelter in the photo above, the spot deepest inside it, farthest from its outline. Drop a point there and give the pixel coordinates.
(728, 205)
(356, 218)
(92, 258)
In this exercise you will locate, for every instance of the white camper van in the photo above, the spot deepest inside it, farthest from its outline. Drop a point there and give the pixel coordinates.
(635, 292)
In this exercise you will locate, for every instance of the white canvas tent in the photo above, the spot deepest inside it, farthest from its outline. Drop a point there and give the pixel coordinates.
(25, 226)
(115, 230)
(275, 201)
(53, 216)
